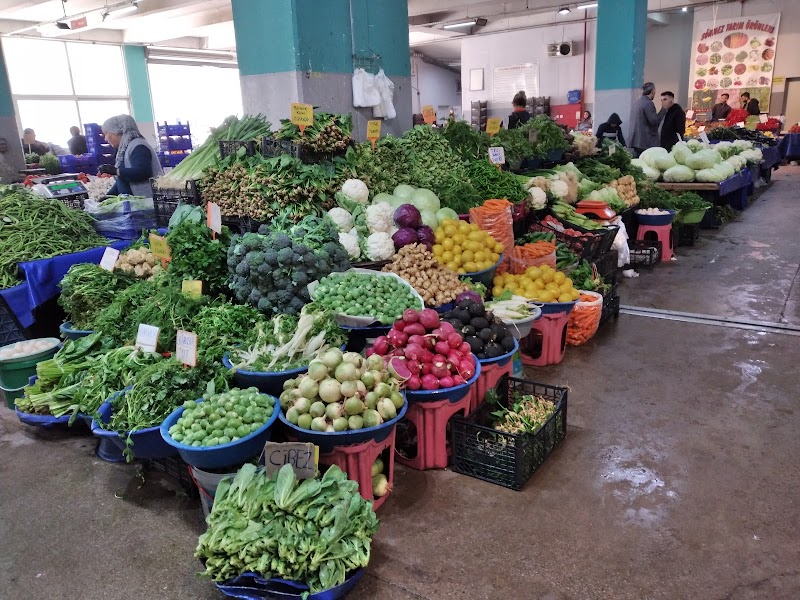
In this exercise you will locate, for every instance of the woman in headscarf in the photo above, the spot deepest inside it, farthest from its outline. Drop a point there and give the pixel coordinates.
(136, 160)
(585, 124)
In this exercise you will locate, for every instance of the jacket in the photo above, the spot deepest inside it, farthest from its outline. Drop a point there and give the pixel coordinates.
(752, 107)
(644, 124)
(77, 144)
(720, 111)
(518, 118)
(674, 125)
(138, 166)
(606, 132)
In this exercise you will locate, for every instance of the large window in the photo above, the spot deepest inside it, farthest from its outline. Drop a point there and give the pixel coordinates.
(83, 83)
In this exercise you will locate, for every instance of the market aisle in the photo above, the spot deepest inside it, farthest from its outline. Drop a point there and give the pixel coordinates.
(749, 268)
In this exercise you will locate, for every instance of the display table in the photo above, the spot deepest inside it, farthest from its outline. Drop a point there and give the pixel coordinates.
(789, 146)
(731, 191)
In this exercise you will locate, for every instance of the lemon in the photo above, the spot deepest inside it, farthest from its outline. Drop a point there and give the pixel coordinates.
(565, 298)
(553, 287)
(450, 231)
(438, 249)
(547, 276)
(575, 295)
(497, 290)
(467, 255)
(546, 296)
(447, 256)
(459, 238)
(559, 277)
(448, 244)
(452, 266)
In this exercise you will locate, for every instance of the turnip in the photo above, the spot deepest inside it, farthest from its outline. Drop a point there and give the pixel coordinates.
(302, 405)
(332, 358)
(292, 415)
(319, 424)
(362, 389)
(308, 387)
(383, 390)
(317, 409)
(371, 400)
(317, 370)
(290, 384)
(375, 363)
(346, 372)
(304, 421)
(386, 409)
(340, 424)
(348, 388)
(353, 358)
(334, 410)
(377, 466)
(372, 418)
(430, 382)
(397, 399)
(330, 390)
(353, 406)
(380, 485)
(355, 422)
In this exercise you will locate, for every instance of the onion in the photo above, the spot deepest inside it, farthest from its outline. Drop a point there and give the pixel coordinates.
(330, 390)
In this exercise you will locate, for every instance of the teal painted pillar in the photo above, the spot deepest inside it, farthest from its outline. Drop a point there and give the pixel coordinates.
(306, 50)
(8, 123)
(139, 86)
(619, 62)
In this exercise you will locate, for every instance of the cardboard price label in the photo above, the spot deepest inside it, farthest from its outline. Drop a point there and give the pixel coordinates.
(186, 347)
(192, 288)
(214, 217)
(302, 115)
(533, 135)
(740, 124)
(159, 247)
(689, 114)
(611, 149)
(493, 125)
(147, 337)
(704, 137)
(497, 155)
(302, 456)
(429, 114)
(109, 259)
(763, 118)
(374, 129)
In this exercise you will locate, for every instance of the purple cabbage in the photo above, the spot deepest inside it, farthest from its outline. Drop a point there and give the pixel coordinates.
(469, 295)
(426, 236)
(404, 237)
(407, 215)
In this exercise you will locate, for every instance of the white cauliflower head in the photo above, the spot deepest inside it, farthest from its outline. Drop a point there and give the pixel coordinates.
(380, 246)
(380, 217)
(342, 218)
(559, 188)
(537, 198)
(356, 190)
(350, 244)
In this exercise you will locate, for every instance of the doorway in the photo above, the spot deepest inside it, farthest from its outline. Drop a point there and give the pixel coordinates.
(791, 102)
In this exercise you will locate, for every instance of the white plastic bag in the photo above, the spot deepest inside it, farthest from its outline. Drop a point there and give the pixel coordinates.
(385, 108)
(621, 243)
(365, 91)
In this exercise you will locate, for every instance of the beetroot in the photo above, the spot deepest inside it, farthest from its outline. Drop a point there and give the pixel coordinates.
(414, 382)
(446, 382)
(410, 315)
(397, 338)
(381, 345)
(429, 318)
(429, 382)
(415, 329)
(441, 348)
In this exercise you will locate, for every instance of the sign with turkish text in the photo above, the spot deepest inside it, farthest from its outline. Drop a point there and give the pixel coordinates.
(497, 155)
(186, 347)
(302, 115)
(109, 259)
(147, 337)
(493, 125)
(302, 456)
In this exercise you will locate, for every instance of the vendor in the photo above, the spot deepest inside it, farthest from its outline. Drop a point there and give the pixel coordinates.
(77, 143)
(585, 123)
(610, 130)
(719, 112)
(136, 160)
(750, 104)
(520, 116)
(30, 145)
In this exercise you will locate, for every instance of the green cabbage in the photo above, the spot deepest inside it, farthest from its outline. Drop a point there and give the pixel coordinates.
(680, 152)
(425, 199)
(679, 174)
(650, 172)
(703, 159)
(649, 155)
(709, 175)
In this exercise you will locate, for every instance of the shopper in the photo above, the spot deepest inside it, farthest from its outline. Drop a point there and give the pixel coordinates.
(674, 124)
(136, 160)
(645, 120)
(719, 112)
(77, 143)
(610, 130)
(585, 124)
(750, 104)
(520, 115)
(30, 145)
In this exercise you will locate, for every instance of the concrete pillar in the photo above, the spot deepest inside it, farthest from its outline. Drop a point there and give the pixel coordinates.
(303, 51)
(13, 156)
(139, 85)
(619, 62)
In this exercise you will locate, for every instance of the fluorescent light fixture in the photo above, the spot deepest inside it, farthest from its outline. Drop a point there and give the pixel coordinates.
(587, 6)
(460, 25)
(124, 9)
(685, 9)
(564, 10)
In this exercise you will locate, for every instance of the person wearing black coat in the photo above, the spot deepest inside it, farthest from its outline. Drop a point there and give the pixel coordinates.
(610, 130)
(674, 124)
(750, 104)
(520, 116)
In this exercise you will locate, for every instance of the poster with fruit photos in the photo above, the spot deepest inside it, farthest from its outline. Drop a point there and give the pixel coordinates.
(734, 56)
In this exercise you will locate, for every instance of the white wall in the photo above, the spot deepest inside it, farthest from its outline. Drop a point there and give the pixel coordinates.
(669, 49)
(557, 76)
(433, 85)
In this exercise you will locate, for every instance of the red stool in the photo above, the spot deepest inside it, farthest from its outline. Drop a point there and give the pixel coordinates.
(662, 233)
(547, 342)
(356, 461)
(490, 375)
(430, 419)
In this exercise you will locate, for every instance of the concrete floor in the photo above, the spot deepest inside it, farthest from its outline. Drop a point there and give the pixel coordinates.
(678, 478)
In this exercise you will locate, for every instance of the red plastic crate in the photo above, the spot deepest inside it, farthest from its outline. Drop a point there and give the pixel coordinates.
(490, 375)
(356, 461)
(430, 420)
(547, 342)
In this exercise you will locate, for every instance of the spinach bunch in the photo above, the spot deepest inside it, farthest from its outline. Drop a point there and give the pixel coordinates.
(195, 255)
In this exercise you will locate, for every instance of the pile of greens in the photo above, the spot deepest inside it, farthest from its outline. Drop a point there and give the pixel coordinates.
(32, 227)
(328, 133)
(195, 255)
(598, 171)
(381, 170)
(220, 327)
(515, 146)
(549, 136)
(87, 289)
(313, 532)
(490, 182)
(468, 143)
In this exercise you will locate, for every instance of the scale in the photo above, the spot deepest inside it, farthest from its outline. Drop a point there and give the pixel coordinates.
(595, 209)
(61, 187)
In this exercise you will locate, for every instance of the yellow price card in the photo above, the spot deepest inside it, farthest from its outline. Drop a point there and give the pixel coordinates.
(302, 115)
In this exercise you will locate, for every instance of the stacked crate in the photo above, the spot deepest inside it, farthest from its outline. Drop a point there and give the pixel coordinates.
(97, 145)
(175, 143)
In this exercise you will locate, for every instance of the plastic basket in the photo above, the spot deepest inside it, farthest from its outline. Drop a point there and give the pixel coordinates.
(587, 245)
(267, 383)
(486, 276)
(507, 459)
(146, 443)
(250, 586)
(610, 307)
(68, 333)
(595, 307)
(10, 329)
(223, 455)
(453, 394)
(174, 130)
(166, 200)
(270, 148)
(644, 253)
(607, 263)
(228, 147)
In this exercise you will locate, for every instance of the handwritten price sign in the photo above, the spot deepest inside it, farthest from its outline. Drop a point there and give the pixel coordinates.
(302, 115)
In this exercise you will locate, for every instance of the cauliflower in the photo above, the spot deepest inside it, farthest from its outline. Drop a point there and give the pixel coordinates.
(356, 190)
(350, 243)
(342, 218)
(559, 189)
(380, 217)
(536, 198)
(380, 246)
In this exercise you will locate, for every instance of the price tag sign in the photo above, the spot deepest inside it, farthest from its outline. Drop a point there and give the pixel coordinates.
(374, 129)
(429, 114)
(192, 288)
(704, 137)
(740, 124)
(762, 118)
(302, 456)
(497, 155)
(159, 247)
(147, 337)
(701, 129)
(611, 149)
(533, 135)
(302, 115)
(689, 114)
(214, 217)
(186, 347)
(109, 259)
(492, 125)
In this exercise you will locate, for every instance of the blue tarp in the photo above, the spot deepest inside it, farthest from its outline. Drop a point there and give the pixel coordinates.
(789, 146)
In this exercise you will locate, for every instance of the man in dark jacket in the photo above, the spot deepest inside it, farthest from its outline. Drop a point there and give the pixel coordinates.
(610, 130)
(77, 143)
(719, 112)
(750, 104)
(645, 120)
(674, 124)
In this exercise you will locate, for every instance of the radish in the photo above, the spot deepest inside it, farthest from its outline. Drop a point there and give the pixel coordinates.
(439, 369)
(429, 319)
(412, 351)
(429, 382)
(381, 345)
(414, 382)
(397, 338)
(458, 380)
(413, 366)
(426, 368)
(454, 340)
(446, 328)
(441, 348)
(464, 349)
(427, 356)
(398, 368)
(418, 339)
(454, 359)
(370, 352)
(446, 382)
(466, 369)
(415, 329)
(410, 315)
(399, 324)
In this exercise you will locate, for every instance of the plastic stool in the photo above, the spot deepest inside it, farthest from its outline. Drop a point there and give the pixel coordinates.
(662, 233)
(430, 419)
(356, 461)
(490, 375)
(547, 342)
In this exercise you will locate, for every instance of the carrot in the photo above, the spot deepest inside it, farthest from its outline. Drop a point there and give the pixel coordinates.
(583, 320)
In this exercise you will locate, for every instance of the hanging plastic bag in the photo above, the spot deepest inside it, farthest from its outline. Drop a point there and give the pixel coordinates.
(494, 217)
(621, 243)
(385, 87)
(365, 91)
(122, 217)
(584, 319)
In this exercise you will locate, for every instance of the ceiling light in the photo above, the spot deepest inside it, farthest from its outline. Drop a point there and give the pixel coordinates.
(62, 25)
(564, 10)
(587, 6)
(461, 24)
(685, 9)
(123, 9)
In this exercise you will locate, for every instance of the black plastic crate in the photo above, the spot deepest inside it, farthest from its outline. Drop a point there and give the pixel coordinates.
(228, 147)
(270, 148)
(166, 200)
(686, 235)
(644, 253)
(10, 329)
(610, 308)
(75, 203)
(588, 245)
(606, 264)
(174, 467)
(507, 459)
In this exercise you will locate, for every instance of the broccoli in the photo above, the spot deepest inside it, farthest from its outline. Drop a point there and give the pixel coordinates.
(263, 229)
(243, 269)
(284, 298)
(272, 297)
(297, 260)
(285, 257)
(251, 241)
(255, 259)
(271, 257)
(300, 278)
(297, 304)
(254, 297)
(264, 269)
(282, 241)
(310, 260)
(263, 305)
(301, 249)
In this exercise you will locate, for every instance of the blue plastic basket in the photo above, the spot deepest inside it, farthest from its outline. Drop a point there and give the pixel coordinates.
(250, 586)
(41, 420)
(503, 359)
(655, 219)
(331, 439)
(146, 443)
(453, 394)
(445, 308)
(73, 334)
(267, 383)
(486, 277)
(552, 308)
(223, 455)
